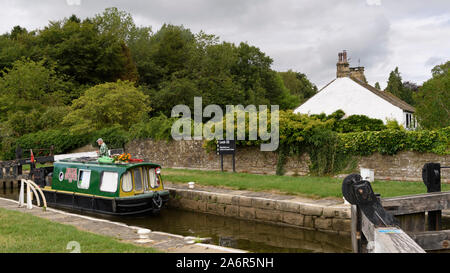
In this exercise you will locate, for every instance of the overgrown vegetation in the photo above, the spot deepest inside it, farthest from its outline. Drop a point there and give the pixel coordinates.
(90, 75)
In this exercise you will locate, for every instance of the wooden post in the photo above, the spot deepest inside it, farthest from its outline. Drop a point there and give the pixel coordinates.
(434, 220)
(19, 155)
(414, 222)
(431, 175)
(356, 234)
(387, 239)
(234, 164)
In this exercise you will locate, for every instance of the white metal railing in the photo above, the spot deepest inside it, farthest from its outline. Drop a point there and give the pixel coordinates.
(31, 187)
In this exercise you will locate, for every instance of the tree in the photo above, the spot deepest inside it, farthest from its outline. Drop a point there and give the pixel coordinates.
(82, 52)
(441, 69)
(395, 87)
(19, 44)
(29, 84)
(17, 31)
(409, 89)
(394, 84)
(30, 93)
(117, 23)
(106, 105)
(433, 99)
(377, 86)
(298, 85)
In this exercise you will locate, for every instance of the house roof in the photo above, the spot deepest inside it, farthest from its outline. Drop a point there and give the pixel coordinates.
(392, 99)
(386, 96)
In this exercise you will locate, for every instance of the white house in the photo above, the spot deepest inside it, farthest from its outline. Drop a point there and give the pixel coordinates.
(350, 93)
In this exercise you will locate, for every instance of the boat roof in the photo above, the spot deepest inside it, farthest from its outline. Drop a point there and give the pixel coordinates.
(93, 162)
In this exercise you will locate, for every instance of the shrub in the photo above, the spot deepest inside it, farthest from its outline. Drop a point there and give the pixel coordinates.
(114, 137)
(156, 128)
(358, 123)
(391, 141)
(62, 141)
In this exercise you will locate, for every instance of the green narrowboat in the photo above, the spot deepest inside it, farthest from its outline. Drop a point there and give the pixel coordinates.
(110, 188)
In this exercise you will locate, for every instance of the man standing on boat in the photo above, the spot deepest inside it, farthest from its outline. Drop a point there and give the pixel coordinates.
(103, 148)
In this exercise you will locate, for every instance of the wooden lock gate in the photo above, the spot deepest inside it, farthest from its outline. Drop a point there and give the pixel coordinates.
(397, 224)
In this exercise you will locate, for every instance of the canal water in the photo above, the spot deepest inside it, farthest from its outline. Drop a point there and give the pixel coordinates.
(225, 231)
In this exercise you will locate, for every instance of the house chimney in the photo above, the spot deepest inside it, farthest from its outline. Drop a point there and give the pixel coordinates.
(343, 69)
(358, 73)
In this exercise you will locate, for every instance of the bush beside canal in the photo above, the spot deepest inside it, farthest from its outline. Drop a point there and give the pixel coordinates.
(24, 233)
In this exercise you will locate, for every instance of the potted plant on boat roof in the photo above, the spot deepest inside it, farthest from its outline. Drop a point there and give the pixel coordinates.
(123, 158)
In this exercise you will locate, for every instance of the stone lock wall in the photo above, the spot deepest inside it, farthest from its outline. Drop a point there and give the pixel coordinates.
(328, 217)
(406, 165)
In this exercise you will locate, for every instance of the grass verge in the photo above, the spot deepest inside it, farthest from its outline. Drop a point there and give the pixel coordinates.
(25, 233)
(308, 186)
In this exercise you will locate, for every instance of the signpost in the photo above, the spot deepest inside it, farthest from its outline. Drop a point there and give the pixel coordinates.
(226, 147)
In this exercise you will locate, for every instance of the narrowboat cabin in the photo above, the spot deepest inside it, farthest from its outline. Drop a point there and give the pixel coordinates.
(110, 188)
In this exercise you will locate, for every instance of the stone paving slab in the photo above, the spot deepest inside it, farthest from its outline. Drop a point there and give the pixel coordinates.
(159, 240)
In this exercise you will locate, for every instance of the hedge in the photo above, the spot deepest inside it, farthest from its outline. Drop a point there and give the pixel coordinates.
(392, 141)
(62, 141)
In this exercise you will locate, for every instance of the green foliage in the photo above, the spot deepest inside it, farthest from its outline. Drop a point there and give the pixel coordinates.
(156, 128)
(391, 141)
(353, 123)
(396, 87)
(30, 83)
(62, 141)
(84, 53)
(441, 69)
(32, 98)
(358, 123)
(377, 86)
(393, 124)
(298, 85)
(433, 99)
(105, 105)
(114, 137)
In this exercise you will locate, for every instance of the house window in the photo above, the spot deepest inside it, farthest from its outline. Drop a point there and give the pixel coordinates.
(108, 182)
(84, 179)
(410, 121)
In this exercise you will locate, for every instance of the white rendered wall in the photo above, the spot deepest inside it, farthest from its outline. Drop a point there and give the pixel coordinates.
(353, 99)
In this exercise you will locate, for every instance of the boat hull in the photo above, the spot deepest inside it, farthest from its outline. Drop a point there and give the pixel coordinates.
(145, 203)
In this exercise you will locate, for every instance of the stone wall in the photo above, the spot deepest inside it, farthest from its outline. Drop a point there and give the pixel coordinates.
(191, 154)
(405, 165)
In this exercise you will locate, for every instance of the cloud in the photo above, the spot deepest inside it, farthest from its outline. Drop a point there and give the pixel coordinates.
(303, 35)
(373, 2)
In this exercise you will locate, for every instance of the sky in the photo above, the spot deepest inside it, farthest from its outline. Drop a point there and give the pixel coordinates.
(302, 35)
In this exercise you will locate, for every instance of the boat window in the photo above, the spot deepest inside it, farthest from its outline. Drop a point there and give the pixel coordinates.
(127, 182)
(153, 179)
(108, 182)
(145, 178)
(137, 180)
(84, 178)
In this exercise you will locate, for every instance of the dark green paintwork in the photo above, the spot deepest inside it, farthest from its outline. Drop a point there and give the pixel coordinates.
(96, 171)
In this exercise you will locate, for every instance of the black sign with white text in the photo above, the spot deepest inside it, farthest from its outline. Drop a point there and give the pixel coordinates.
(226, 147)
